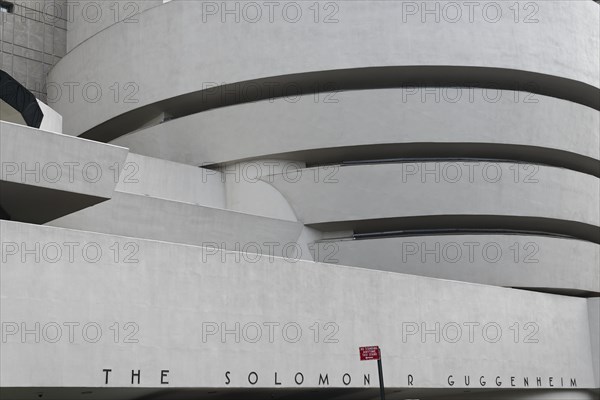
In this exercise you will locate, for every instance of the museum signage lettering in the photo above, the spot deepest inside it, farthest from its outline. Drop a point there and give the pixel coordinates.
(163, 377)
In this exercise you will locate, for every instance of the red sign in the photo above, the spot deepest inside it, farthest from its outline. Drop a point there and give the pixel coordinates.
(369, 353)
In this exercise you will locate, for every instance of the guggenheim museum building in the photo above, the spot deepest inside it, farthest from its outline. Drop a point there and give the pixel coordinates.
(226, 199)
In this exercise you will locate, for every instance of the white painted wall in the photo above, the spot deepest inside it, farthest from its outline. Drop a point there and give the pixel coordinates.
(52, 121)
(172, 290)
(372, 117)
(368, 34)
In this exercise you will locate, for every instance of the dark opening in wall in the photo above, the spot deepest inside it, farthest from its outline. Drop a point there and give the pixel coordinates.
(6, 7)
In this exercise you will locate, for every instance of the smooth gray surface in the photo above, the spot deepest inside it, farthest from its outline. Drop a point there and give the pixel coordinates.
(364, 192)
(173, 221)
(502, 260)
(237, 188)
(90, 17)
(152, 272)
(170, 292)
(47, 175)
(375, 117)
(168, 180)
(368, 34)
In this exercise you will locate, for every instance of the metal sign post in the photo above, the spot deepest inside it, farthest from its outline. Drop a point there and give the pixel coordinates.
(381, 388)
(374, 353)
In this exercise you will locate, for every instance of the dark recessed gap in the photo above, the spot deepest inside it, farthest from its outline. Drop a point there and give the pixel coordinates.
(430, 151)
(456, 231)
(465, 223)
(6, 7)
(308, 83)
(561, 292)
(409, 160)
(454, 152)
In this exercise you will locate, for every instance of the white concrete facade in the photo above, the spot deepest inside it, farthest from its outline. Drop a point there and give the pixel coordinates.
(430, 185)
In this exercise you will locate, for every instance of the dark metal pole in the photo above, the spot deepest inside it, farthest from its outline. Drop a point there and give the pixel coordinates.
(381, 388)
